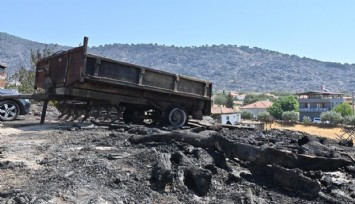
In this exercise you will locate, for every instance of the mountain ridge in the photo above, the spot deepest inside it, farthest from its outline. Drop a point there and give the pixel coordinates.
(228, 67)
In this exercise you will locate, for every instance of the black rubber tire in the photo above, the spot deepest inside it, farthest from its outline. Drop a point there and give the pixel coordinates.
(175, 116)
(9, 110)
(133, 116)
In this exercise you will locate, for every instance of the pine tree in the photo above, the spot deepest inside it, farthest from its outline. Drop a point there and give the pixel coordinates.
(229, 102)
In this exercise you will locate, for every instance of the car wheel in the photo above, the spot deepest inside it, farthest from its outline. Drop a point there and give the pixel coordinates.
(9, 110)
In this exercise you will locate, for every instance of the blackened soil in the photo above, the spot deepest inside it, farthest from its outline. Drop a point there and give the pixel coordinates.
(54, 163)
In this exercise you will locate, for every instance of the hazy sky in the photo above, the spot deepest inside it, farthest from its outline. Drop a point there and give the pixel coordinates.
(318, 29)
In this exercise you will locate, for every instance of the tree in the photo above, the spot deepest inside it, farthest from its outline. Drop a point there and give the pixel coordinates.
(229, 101)
(220, 99)
(282, 104)
(344, 109)
(331, 116)
(275, 110)
(24, 79)
(266, 118)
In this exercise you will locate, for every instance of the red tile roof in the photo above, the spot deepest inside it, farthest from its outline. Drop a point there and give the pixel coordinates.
(216, 109)
(258, 104)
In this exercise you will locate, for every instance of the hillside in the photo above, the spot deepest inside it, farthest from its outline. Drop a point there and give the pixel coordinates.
(229, 67)
(15, 51)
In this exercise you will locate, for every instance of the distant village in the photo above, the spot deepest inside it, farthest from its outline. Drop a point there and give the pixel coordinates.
(309, 107)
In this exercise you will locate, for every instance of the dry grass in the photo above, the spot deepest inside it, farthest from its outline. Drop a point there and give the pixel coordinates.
(310, 129)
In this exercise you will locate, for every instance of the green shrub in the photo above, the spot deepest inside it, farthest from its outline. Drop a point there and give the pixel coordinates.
(331, 117)
(349, 120)
(290, 116)
(246, 115)
(306, 120)
(265, 117)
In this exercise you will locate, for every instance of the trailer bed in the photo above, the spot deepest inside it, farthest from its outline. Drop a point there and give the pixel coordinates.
(77, 75)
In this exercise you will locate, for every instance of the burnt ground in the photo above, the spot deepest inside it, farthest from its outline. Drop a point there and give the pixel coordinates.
(63, 162)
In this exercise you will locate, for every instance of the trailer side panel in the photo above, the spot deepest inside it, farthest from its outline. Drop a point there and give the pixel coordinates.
(64, 72)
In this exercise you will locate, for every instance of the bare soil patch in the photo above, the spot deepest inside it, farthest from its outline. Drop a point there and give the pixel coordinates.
(328, 132)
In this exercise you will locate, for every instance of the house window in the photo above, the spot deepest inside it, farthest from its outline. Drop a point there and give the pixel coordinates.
(307, 105)
(320, 105)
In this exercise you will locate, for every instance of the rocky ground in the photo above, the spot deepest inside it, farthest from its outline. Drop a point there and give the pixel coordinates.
(68, 162)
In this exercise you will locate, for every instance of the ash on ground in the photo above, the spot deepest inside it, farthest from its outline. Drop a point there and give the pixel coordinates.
(61, 162)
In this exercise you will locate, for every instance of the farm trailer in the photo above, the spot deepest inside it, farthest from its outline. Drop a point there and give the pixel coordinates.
(95, 81)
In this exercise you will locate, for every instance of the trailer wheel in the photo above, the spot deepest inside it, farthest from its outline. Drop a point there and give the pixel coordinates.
(175, 116)
(133, 116)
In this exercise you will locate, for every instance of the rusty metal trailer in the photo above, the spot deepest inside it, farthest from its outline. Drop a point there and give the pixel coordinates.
(76, 75)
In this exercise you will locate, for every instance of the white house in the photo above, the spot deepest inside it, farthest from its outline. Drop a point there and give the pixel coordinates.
(257, 107)
(225, 115)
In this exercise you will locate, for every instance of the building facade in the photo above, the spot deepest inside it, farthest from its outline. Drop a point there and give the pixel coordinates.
(225, 115)
(313, 103)
(230, 118)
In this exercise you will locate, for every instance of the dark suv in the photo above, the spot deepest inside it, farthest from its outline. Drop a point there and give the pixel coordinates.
(10, 109)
